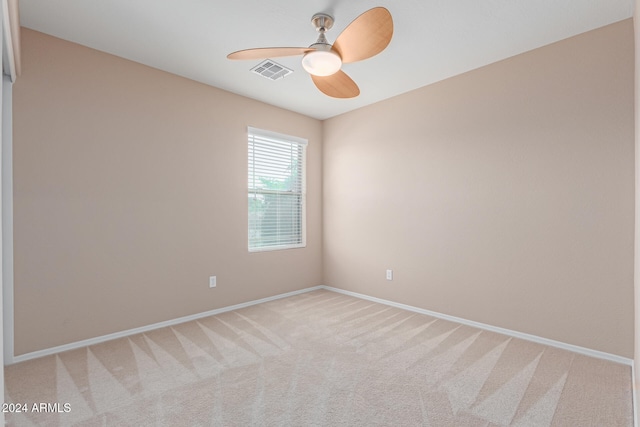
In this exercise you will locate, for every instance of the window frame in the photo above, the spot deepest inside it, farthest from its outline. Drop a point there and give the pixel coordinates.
(252, 134)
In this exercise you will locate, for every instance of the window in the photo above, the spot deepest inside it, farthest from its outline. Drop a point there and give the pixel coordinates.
(276, 191)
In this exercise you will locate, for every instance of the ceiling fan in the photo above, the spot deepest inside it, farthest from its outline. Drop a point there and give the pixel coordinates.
(368, 35)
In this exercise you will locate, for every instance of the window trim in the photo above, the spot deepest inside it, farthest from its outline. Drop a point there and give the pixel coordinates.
(303, 182)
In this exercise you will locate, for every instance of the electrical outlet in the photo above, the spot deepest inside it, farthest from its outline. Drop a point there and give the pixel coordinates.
(212, 281)
(389, 274)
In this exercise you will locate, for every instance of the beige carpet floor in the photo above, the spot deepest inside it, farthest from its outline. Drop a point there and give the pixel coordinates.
(321, 359)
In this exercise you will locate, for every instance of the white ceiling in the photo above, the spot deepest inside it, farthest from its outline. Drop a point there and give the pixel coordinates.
(433, 39)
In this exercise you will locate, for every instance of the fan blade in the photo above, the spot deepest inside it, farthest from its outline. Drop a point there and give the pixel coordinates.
(338, 85)
(268, 52)
(366, 36)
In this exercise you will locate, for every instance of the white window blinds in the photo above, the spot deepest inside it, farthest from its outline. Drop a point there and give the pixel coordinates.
(276, 191)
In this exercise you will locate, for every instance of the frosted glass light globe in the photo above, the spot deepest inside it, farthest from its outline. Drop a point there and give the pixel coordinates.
(321, 62)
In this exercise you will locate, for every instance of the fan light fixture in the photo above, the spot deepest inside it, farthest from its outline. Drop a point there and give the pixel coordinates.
(366, 36)
(321, 62)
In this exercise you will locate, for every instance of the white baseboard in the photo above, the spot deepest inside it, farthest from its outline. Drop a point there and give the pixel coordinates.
(121, 334)
(540, 340)
(147, 328)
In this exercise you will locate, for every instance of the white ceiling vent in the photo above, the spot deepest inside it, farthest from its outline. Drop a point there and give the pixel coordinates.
(271, 70)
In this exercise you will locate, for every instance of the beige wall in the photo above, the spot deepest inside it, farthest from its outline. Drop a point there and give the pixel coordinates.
(130, 191)
(504, 195)
(636, 33)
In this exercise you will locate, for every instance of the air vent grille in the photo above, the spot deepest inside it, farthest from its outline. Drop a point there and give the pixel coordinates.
(271, 70)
